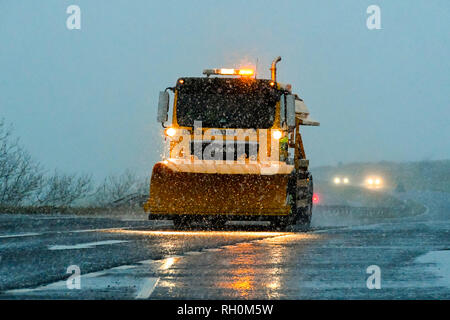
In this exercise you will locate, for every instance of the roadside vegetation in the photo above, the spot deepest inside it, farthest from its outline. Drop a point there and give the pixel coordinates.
(26, 186)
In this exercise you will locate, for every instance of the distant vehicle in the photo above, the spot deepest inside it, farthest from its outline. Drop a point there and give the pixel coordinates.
(341, 180)
(374, 182)
(235, 152)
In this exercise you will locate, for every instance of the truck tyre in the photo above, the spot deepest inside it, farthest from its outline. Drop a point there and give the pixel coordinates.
(303, 214)
(181, 222)
(217, 222)
(281, 223)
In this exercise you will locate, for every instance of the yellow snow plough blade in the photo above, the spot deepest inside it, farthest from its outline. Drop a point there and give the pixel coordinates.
(178, 192)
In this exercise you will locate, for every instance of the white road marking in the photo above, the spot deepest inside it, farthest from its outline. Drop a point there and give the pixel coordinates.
(33, 234)
(192, 253)
(125, 267)
(94, 274)
(149, 261)
(116, 278)
(87, 245)
(93, 230)
(30, 234)
(19, 291)
(149, 284)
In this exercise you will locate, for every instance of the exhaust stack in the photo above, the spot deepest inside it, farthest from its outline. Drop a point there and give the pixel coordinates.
(273, 69)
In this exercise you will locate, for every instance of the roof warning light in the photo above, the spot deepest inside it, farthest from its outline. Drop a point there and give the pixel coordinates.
(230, 72)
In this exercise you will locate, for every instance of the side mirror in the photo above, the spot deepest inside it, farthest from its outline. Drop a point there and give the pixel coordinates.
(290, 111)
(163, 106)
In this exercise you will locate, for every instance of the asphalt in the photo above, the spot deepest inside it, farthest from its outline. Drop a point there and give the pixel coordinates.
(139, 259)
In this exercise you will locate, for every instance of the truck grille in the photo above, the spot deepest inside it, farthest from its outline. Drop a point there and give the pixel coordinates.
(229, 150)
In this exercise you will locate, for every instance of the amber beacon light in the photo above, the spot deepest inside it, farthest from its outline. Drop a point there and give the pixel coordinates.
(229, 72)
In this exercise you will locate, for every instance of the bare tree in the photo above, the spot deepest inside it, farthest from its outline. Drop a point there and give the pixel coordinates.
(118, 187)
(20, 175)
(62, 190)
(22, 181)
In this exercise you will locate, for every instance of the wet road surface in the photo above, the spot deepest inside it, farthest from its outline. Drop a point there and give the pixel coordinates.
(120, 259)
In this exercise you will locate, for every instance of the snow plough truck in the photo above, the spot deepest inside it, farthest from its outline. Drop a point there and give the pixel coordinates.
(234, 151)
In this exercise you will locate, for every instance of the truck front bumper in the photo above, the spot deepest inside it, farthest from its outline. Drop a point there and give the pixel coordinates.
(236, 196)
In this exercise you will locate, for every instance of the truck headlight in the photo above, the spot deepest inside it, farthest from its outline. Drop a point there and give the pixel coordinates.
(170, 132)
(277, 134)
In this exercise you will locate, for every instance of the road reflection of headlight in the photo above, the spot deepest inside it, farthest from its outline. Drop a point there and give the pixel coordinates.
(168, 263)
(246, 260)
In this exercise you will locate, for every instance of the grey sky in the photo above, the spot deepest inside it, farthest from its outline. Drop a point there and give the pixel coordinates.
(85, 100)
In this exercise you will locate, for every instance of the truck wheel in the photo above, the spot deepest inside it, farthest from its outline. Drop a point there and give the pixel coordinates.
(281, 223)
(181, 222)
(218, 223)
(304, 214)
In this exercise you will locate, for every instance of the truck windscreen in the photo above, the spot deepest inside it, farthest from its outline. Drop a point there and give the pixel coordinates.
(226, 103)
